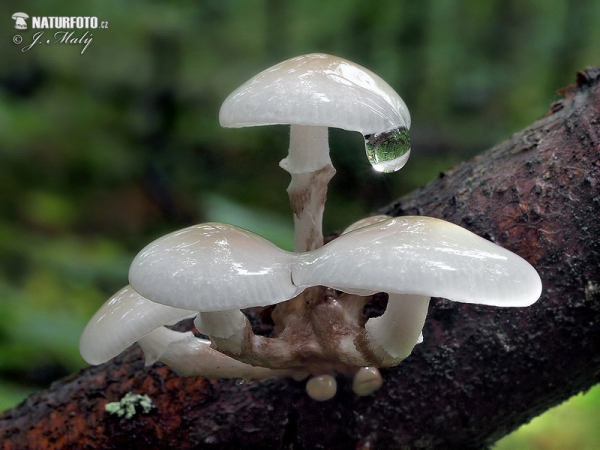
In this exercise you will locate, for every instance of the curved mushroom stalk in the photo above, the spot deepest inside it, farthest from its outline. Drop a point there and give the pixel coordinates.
(394, 334)
(190, 356)
(226, 328)
(311, 93)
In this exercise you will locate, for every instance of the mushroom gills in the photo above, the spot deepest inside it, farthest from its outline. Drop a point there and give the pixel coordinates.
(388, 151)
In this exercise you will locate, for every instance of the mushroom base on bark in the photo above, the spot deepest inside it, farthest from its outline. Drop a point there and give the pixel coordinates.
(317, 335)
(212, 271)
(320, 328)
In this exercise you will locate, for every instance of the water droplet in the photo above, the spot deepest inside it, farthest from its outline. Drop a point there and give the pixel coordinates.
(388, 151)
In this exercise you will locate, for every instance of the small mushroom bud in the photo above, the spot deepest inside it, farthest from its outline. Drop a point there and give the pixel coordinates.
(366, 381)
(321, 387)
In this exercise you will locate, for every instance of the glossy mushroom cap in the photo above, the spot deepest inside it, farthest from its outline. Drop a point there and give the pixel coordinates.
(122, 321)
(421, 256)
(213, 267)
(316, 90)
(219, 267)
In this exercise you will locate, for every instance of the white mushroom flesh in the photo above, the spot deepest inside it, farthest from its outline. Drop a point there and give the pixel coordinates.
(123, 320)
(213, 267)
(321, 387)
(422, 256)
(213, 270)
(190, 356)
(331, 92)
(398, 330)
(366, 381)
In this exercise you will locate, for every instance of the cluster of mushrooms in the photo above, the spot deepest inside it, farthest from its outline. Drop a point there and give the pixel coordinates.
(212, 271)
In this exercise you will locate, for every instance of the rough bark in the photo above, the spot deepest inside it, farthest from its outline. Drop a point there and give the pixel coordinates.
(480, 372)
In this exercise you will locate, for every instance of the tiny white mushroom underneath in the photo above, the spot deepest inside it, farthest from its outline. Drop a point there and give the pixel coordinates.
(311, 93)
(321, 387)
(366, 381)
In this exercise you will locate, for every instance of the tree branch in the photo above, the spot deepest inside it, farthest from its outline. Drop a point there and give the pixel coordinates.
(481, 371)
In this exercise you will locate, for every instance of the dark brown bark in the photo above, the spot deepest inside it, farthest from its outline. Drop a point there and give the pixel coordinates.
(481, 371)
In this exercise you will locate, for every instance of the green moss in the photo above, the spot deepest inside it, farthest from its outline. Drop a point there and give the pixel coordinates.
(128, 406)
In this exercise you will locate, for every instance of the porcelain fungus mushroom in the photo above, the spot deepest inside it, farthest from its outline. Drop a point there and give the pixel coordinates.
(213, 270)
(311, 93)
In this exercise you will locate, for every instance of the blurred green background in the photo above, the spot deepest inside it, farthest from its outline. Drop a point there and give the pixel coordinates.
(102, 152)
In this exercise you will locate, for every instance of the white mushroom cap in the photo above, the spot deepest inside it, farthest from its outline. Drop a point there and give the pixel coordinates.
(367, 221)
(423, 256)
(366, 381)
(127, 317)
(317, 90)
(123, 320)
(311, 93)
(218, 267)
(213, 267)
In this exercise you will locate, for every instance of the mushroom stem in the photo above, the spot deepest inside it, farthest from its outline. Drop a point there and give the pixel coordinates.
(398, 330)
(226, 328)
(309, 165)
(190, 356)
